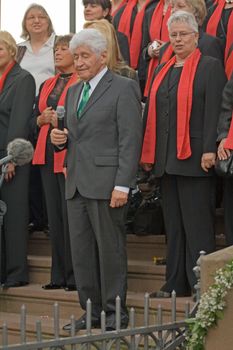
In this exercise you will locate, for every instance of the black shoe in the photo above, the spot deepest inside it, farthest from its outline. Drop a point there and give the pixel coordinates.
(52, 285)
(70, 287)
(81, 324)
(160, 294)
(12, 284)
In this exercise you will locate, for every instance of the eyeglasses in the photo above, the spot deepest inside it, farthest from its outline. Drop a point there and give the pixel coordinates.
(33, 18)
(182, 35)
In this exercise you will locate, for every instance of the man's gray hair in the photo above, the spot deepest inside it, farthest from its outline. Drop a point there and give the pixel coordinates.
(185, 17)
(91, 38)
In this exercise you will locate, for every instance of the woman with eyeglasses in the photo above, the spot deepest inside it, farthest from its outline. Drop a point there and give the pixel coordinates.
(209, 45)
(179, 147)
(36, 55)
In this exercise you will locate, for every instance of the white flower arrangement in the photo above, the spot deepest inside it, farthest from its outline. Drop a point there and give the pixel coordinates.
(211, 308)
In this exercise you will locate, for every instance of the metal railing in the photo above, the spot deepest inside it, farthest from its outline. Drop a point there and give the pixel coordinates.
(159, 336)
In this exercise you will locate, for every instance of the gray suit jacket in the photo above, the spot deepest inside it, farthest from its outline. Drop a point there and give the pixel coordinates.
(104, 144)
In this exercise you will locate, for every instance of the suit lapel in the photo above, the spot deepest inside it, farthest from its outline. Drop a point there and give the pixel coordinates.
(100, 89)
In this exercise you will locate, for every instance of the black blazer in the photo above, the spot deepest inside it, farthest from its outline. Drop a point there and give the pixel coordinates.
(222, 26)
(208, 85)
(16, 102)
(226, 110)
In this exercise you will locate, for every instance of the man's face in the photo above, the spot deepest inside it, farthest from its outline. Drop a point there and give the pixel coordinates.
(87, 63)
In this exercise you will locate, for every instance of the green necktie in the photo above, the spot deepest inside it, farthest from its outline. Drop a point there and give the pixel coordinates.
(84, 99)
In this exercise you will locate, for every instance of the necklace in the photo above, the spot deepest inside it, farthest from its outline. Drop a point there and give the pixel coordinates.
(179, 64)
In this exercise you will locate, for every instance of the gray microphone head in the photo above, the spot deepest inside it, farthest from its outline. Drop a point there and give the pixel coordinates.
(60, 111)
(21, 151)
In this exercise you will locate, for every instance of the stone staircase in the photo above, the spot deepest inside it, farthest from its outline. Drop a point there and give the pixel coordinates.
(143, 276)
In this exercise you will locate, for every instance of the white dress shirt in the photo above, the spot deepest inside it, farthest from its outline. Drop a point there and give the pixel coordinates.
(41, 63)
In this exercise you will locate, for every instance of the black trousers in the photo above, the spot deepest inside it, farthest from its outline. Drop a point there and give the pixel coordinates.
(54, 189)
(188, 210)
(98, 245)
(15, 229)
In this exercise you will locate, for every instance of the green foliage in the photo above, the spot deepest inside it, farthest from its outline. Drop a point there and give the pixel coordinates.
(211, 308)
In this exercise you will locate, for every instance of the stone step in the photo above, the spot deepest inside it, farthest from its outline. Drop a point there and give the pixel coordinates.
(40, 303)
(138, 247)
(146, 247)
(143, 276)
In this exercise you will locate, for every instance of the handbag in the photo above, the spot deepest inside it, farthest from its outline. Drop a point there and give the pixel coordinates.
(224, 167)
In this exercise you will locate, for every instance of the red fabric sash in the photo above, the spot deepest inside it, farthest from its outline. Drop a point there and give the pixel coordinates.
(229, 65)
(158, 30)
(229, 141)
(124, 23)
(39, 154)
(136, 37)
(118, 8)
(215, 18)
(213, 23)
(5, 73)
(167, 54)
(184, 106)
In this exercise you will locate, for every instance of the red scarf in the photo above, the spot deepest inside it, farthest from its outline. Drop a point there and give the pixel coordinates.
(118, 8)
(184, 107)
(5, 74)
(39, 154)
(167, 54)
(229, 141)
(134, 39)
(158, 30)
(213, 23)
(229, 65)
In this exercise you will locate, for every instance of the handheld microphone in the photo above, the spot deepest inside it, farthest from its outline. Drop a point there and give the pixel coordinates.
(60, 117)
(19, 151)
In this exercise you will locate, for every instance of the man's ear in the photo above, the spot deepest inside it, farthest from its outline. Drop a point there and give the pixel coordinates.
(104, 57)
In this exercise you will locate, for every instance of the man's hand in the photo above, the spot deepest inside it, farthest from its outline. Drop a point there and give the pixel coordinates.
(58, 137)
(118, 199)
(207, 161)
(222, 152)
(10, 172)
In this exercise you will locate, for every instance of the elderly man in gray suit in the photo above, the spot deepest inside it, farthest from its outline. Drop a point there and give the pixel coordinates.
(103, 139)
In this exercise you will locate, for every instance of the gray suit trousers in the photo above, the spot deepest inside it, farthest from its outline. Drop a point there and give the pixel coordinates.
(98, 246)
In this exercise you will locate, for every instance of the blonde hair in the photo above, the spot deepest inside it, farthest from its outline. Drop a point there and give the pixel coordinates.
(115, 61)
(198, 9)
(25, 34)
(7, 39)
